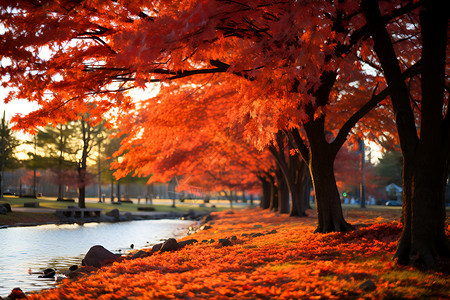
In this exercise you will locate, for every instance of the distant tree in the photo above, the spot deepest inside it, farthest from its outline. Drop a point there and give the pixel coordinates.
(389, 168)
(8, 144)
(87, 134)
(58, 144)
(110, 146)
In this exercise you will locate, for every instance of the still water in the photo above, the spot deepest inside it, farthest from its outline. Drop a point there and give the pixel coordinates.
(61, 246)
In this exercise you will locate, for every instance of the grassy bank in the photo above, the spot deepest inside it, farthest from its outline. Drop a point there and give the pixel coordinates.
(40, 215)
(123, 207)
(269, 257)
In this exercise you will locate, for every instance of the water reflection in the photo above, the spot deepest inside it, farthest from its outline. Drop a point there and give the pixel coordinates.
(60, 246)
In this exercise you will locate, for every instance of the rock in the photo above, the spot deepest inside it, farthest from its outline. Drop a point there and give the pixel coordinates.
(272, 231)
(205, 227)
(104, 218)
(81, 272)
(7, 206)
(233, 238)
(123, 218)
(73, 268)
(169, 245)
(225, 242)
(187, 242)
(113, 213)
(257, 234)
(244, 234)
(368, 286)
(3, 210)
(206, 219)
(156, 247)
(140, 254)
(98, 256)
(129, 216)
(48, 273)
(16, 293)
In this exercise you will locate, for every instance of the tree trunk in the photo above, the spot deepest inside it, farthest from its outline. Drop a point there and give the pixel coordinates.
(112, 189)
(307, 190)
(300, 170)
(118, 191)
(329, 210)
(82, 170)
(266, 187)
(82, 187)
(321, 167)
(274, 195)
(290, 169)
(426, 159)
(283, 193)
(60, 161)
(99, 173)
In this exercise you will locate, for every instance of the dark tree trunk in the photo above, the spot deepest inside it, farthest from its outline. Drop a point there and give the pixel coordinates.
(426, 158)
(61, 161)
(82, 169)
(112, 190)
(118, 191)
(266, 187)
(328, 201)
(307, 190)
(82, 187)
(274, 195)
(283, 192)
(300, 170)
(289, 166)
(321, 158)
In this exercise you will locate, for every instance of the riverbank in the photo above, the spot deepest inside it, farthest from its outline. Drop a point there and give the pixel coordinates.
(44, 212)
(251, 254)
(30, 218)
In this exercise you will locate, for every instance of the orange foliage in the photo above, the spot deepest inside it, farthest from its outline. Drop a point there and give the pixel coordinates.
(287, 261)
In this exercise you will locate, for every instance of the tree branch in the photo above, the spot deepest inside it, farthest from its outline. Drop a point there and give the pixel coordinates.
(302, 148)
(375, 99)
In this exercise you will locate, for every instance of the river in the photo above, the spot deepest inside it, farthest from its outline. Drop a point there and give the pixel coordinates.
(61, 246)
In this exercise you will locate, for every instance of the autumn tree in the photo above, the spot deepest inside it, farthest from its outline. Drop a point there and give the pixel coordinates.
(423, 122)
(287, 60)
(166, 140)
(87, 133)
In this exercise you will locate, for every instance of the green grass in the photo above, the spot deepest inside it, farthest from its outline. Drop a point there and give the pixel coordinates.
(124, 207)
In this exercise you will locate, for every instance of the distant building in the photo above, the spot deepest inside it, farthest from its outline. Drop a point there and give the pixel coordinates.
(394, 192)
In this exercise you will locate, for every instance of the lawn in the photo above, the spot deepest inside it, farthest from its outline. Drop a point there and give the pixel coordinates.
(37, 216)
(271, 256)
(124, 207)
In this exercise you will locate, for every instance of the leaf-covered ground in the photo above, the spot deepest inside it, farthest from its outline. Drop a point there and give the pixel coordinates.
(272, 256)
